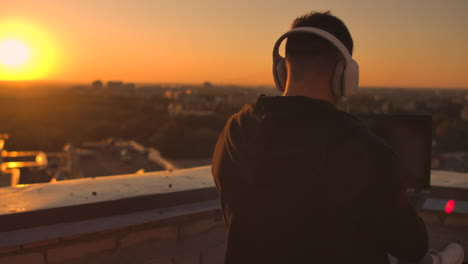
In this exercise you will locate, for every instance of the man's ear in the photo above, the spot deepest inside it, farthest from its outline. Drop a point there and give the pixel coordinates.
(282, 74)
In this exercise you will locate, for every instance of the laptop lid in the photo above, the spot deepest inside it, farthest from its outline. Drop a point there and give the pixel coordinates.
(410, 136)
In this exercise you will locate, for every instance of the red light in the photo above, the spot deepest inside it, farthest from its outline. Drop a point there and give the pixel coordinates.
(449, 206)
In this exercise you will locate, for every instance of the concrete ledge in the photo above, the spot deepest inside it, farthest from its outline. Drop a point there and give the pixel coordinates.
(77, 200)
(449, 179)
(34, 197)
(74, 213)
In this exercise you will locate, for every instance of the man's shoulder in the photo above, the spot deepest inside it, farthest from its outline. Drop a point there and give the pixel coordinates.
(240, 117)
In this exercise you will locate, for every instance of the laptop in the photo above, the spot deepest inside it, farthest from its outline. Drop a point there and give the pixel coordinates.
(410, 136)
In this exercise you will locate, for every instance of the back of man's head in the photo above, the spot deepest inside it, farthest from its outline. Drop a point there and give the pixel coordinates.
(306, 48)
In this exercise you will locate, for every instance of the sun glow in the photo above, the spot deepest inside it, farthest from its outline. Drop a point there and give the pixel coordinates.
(25, 52)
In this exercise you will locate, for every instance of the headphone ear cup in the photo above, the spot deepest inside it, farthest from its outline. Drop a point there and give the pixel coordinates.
(337, 82)
(281, 73)
(351, 78)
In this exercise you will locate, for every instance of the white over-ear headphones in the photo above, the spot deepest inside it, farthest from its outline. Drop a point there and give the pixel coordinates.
(346, 75)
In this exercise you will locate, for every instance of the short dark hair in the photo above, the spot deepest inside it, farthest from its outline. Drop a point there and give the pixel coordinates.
(304, 46)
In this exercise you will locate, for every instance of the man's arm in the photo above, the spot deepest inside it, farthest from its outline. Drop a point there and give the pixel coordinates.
(224, 174)
(393, 221)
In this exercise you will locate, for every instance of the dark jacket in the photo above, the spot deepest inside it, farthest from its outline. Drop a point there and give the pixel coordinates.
(302, 182)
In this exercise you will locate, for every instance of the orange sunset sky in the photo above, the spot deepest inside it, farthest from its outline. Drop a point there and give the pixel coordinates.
(418, 43)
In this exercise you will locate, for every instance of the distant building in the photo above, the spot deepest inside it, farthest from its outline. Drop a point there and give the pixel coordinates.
(386, 107)
(97, 84)
(115, 85)
(190, 109)
(121, 87)
(129, 86)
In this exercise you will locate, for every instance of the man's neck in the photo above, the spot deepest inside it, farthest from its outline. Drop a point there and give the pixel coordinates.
(317, 91)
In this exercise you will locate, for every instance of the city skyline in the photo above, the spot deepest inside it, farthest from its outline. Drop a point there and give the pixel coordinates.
(398, 44)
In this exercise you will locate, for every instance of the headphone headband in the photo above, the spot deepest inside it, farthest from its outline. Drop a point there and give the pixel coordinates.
(315, 31)
(350, 75)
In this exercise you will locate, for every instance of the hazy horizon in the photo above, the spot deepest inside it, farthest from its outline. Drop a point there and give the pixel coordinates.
(397, 44)
(25, 84)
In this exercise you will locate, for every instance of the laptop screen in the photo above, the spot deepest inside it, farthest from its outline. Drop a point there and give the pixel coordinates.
(410, 136)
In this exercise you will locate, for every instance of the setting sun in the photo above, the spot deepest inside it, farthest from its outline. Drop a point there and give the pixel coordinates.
(26, 53)
(13, 53)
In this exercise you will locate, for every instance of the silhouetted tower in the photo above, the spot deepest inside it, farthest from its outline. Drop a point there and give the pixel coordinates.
(97, 84)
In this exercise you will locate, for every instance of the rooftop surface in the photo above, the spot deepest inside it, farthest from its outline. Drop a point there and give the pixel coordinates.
(114, 159)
